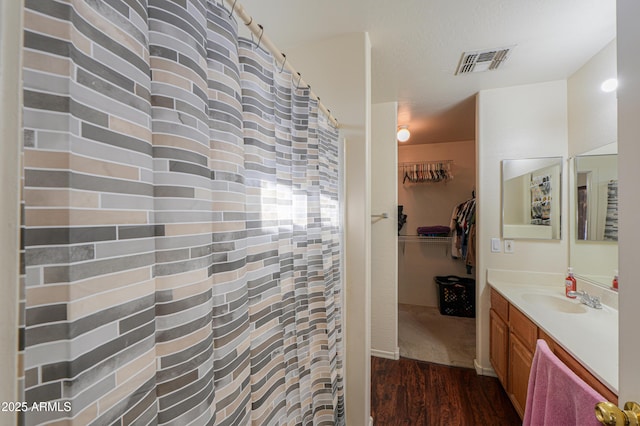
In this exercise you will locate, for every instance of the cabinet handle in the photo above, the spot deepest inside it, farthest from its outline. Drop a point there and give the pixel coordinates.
(609, 414)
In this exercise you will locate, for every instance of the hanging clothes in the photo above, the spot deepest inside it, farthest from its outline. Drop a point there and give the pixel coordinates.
(463, 219)
(470, 260)
(428, 171)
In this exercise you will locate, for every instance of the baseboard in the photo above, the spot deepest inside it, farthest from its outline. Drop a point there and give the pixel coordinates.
(386, 354)
(484, 371)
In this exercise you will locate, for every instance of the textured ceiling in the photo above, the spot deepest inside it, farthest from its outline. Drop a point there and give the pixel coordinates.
(417, 44)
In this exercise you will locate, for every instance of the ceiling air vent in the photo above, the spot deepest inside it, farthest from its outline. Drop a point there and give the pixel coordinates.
(483, 60)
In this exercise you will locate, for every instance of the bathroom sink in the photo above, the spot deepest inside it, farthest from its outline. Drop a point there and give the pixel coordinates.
(558, 303)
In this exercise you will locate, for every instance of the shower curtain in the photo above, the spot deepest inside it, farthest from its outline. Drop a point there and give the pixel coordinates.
(181, 235)
(611, 221)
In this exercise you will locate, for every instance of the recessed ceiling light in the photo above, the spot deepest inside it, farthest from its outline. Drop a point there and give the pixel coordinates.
(609, 85)
(403, 133)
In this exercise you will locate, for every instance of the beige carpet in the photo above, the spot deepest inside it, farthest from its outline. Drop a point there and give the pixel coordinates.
(426, 335)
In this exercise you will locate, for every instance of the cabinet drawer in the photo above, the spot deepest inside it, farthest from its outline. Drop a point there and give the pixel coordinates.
(522, 327)
(500, 305)
(584, 374)
(550, 342)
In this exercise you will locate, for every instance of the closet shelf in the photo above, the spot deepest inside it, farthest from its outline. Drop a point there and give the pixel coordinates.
(421, 239)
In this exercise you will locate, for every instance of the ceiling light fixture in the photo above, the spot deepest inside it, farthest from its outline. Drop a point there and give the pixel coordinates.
(403, 133)
(609, 85)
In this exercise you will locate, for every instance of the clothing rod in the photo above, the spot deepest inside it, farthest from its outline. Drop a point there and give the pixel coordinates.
(381, 215)
(265, 41)
(415, 163)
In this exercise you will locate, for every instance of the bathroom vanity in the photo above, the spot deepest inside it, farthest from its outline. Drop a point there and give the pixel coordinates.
(584, 338)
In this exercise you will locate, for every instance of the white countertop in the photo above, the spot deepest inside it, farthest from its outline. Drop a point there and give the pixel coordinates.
(591, 336)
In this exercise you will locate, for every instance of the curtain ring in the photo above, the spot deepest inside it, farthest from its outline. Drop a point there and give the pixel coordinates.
(250, 21)
(298, 83)
(260, 38)
(233, 8)
(283, 62)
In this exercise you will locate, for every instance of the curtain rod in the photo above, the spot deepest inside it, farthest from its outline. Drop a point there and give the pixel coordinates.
(265, 41)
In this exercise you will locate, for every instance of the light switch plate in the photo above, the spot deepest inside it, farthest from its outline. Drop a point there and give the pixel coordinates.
(495, 245)
(508, 246)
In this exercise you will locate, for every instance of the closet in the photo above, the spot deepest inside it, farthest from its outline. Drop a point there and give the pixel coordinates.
(436, 189)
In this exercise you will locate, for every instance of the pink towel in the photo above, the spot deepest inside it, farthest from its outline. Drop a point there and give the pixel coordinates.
(556, 395)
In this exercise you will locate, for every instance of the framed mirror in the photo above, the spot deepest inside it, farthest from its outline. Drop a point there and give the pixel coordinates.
(594, 243)
(532, 198)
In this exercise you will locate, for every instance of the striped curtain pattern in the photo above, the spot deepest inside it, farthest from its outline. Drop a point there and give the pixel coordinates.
(611, 221)
(181, 236)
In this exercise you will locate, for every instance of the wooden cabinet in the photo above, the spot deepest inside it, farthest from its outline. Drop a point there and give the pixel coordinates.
(524, 328)
(500, 305)
(584, 374)
(523, 334)
(512, 345)
(550, 342)
(499, 351)
(520, 359)
(499, 336)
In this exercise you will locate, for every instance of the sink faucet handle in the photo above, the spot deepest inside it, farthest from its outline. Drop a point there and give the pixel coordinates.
(586, 298)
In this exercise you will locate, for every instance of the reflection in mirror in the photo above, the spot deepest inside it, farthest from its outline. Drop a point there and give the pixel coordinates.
(597, 192)
(531, 198)
(594, 248)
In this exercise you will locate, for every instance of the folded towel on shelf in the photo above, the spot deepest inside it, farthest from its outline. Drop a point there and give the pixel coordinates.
(434, 231)
(556, 395)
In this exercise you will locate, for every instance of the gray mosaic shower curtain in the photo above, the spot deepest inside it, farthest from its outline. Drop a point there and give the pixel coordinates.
(181, 239)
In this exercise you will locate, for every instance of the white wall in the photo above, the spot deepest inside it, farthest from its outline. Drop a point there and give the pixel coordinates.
(592, 112)
(384, 240)
(339, 69)
(428, 204)
(629, 176)
(516, 122)
(10, 142)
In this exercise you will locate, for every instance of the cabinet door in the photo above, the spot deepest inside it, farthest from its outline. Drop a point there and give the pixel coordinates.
(499, 348)
(520, 359)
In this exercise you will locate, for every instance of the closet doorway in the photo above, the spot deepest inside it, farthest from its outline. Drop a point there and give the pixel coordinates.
(436, 253)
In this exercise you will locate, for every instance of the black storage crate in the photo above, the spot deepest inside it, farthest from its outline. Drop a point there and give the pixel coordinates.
(456, 296)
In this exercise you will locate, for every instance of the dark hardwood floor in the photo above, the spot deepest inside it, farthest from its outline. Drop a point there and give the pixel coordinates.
(416, 393)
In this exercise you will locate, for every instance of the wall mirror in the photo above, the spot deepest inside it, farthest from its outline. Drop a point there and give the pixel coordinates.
(531, 198)
(594, 186)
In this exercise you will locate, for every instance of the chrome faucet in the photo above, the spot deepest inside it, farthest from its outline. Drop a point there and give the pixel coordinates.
(586, 298)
